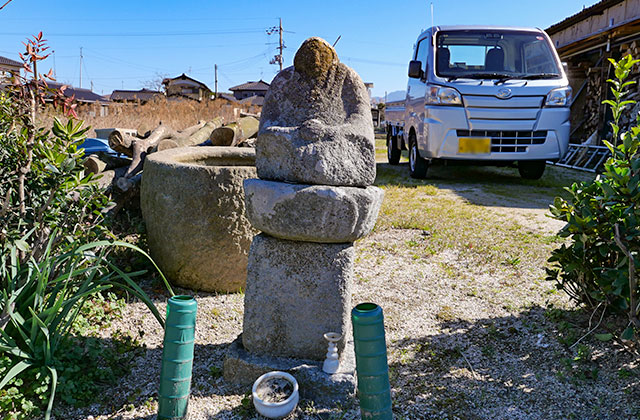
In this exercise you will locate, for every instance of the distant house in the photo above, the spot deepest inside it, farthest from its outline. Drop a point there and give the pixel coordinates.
(227, 96)
(139, 96)
(254, 100)
(186, 87)
(83, 97)
(9, 68)
(249, 89)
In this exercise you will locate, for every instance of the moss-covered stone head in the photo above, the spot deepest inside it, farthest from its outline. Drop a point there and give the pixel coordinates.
(315, 58)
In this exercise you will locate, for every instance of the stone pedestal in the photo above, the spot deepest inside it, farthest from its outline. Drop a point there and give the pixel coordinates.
(296, 292)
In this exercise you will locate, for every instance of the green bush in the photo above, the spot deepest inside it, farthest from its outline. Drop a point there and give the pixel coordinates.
(598, 266)
(54, 256)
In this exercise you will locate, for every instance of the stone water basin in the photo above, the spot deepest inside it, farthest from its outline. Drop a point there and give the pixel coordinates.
(192, 201)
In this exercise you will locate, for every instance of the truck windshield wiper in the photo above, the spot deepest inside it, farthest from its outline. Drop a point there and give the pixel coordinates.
(540, 76)
(488, 76)
(500, 76)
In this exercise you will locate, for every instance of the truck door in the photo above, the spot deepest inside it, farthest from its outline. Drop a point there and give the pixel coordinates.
(416, 90)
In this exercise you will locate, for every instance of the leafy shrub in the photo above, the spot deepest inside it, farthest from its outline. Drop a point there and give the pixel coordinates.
(598, 266)
(53, 253)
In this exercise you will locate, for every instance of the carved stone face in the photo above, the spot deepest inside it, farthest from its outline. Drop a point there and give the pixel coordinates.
(315, 58)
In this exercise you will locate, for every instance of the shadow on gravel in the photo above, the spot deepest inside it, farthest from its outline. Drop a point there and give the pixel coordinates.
(140, 378)
(513, 367)
(486, 185)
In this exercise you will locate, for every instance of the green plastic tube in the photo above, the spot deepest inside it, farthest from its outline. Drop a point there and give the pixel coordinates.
(374, 389)
(177, 358)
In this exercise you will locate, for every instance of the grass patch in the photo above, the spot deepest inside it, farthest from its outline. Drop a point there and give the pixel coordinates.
(453, 223)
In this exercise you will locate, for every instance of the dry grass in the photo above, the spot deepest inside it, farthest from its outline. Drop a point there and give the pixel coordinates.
(175, 114)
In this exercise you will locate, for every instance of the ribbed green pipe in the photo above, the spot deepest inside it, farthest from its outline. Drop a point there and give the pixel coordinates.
(374, 389)
(177, 358)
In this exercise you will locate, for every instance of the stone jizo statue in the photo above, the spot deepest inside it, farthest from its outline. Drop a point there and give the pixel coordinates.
(316, 124)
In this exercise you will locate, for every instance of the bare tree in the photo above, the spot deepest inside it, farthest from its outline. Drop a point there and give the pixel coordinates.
(156, 82)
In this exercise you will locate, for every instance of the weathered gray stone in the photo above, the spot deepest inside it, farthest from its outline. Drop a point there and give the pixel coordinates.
(192, 202)
(296, 292)
(313, 213)
(316, 125)
(326, 391)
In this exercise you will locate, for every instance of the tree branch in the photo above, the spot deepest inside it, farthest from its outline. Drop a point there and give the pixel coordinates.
(2, 7)
(633, 282)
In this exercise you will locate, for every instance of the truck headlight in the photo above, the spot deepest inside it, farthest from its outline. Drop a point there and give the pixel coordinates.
(559, 97)
(438, 95)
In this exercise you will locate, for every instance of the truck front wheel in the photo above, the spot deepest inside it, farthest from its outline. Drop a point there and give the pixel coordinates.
(531, 169)
(393, 152)
(418, 166)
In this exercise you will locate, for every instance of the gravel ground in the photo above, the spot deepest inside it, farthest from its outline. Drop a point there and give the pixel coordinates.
(473, 329)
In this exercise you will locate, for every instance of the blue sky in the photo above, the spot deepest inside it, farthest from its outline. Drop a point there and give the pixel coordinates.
(126, 43)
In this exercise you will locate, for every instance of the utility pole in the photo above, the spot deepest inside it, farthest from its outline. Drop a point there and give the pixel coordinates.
(279, 59)
(215, 95)
(54, 64)
(92, 86)
(80, 68)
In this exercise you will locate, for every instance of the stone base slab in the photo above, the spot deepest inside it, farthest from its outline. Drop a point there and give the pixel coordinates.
(326, 391)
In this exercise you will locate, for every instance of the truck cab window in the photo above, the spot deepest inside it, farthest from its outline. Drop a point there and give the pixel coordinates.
(480, 54)
(422, 53)
(536, 58)
(465, 56)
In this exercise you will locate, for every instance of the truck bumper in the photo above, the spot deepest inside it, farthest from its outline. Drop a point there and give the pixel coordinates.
(545, 138)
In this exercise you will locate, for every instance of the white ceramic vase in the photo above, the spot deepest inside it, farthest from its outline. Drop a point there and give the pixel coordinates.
(332, 362)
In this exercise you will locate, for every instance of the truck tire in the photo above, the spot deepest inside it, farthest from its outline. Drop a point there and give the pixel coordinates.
(418, 166)
(531, 169)
(393, 153)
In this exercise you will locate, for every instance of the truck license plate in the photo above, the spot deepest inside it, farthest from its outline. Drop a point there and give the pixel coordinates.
(474, 145)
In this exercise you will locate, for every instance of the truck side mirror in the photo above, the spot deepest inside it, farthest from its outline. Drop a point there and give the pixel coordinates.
(415, 69)
(565, 66)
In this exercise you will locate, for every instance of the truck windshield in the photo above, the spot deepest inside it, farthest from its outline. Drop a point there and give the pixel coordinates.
(482, 54)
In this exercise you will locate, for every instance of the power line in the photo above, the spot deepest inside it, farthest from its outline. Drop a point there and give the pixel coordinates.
(40, 19)
(376, 62)
(116, 60)
(144, 34)
(165, 47)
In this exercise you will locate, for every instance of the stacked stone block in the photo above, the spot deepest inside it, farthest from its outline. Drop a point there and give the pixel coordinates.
(315, 159)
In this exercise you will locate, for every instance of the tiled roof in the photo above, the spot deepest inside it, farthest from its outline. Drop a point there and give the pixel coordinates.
(184, 77)
(253, 100)
(259, 85)
(81, 95)
(132, 95)
(227, 96)
(9, 62)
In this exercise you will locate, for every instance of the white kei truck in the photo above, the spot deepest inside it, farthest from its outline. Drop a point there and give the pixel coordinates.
(482, 95)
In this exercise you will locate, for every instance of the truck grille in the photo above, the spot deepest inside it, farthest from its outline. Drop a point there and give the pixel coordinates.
(508, 141)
